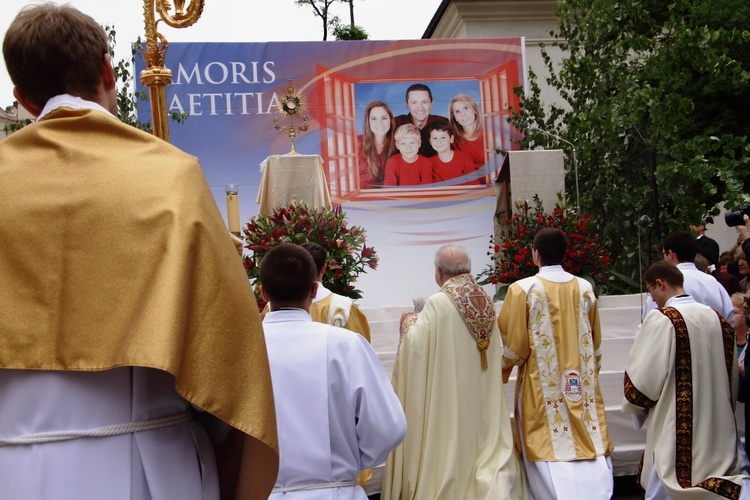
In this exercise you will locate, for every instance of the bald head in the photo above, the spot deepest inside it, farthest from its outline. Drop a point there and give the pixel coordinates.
(451, 261)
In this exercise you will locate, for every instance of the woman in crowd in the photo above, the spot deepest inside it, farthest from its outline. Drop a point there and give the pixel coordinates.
(740, 328)
(744, 269)
(467, 122)
(375, 144)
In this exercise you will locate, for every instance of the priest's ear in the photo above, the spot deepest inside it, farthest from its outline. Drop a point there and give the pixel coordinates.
(263, 294)
(27, 103)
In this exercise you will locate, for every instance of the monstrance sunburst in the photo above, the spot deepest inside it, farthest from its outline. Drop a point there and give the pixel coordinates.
(290, 107)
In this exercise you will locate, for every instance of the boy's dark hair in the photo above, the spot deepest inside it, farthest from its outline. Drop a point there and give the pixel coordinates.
(682, 244)
(287, 273)
(51, 50)
(318, 253)
(663, 270)
(552, 244)
(442, 126)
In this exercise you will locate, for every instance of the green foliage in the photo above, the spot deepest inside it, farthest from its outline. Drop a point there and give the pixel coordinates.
(332, 23)
(657, 101)
(128, 99)
(321, 9)
(348, 256)
(349, 32)
(11, 127)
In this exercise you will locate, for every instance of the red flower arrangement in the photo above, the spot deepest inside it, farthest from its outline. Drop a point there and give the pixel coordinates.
(512, 260)
(348, 256)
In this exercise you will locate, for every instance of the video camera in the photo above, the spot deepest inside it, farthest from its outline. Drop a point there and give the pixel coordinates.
(735, 218)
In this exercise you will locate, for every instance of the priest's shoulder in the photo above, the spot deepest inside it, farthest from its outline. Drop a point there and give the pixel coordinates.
(142, 145)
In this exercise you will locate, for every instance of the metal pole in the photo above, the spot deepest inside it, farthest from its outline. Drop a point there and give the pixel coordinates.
(156, 76)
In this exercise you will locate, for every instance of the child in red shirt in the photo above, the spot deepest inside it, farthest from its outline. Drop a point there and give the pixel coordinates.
(448, 163)
(408, 167)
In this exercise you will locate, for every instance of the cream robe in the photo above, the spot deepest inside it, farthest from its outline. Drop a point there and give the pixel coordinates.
(460, 442)
(337, 412)
(114, 254)
(706, 448)
(550, 326)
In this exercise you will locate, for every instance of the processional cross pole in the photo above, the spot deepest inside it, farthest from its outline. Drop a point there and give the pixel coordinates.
(156, 76)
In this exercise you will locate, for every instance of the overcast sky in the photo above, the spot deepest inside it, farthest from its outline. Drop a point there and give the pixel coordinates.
(242, 21)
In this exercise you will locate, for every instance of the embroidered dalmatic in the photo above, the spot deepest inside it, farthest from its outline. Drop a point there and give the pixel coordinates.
(551, 333)
(459, 441)
(683, 370)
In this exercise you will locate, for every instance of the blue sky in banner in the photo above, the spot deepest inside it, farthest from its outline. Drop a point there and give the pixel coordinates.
(228, 89)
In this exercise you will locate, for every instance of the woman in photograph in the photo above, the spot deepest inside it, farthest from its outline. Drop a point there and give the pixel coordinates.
(375, 144)
(467, 122)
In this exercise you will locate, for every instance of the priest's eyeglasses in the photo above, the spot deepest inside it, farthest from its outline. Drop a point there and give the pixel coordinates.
(650, 286)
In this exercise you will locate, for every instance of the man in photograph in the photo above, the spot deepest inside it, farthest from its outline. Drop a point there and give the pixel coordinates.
(419, 103)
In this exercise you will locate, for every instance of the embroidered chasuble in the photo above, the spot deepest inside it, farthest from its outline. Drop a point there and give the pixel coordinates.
(100, 269)
(551, 333)
(682, 369)
(459, 441)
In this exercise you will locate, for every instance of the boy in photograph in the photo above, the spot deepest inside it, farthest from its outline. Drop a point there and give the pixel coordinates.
(408, 167)
(448, 163)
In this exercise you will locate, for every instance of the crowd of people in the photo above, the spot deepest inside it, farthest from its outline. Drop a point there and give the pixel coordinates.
(420, 148)
(123, 377)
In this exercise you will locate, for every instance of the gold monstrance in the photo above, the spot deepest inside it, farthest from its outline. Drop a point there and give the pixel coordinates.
(156, 76)
(291, 106)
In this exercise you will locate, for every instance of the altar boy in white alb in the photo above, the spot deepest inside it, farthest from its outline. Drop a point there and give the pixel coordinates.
(681, 377)
(336, 410)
